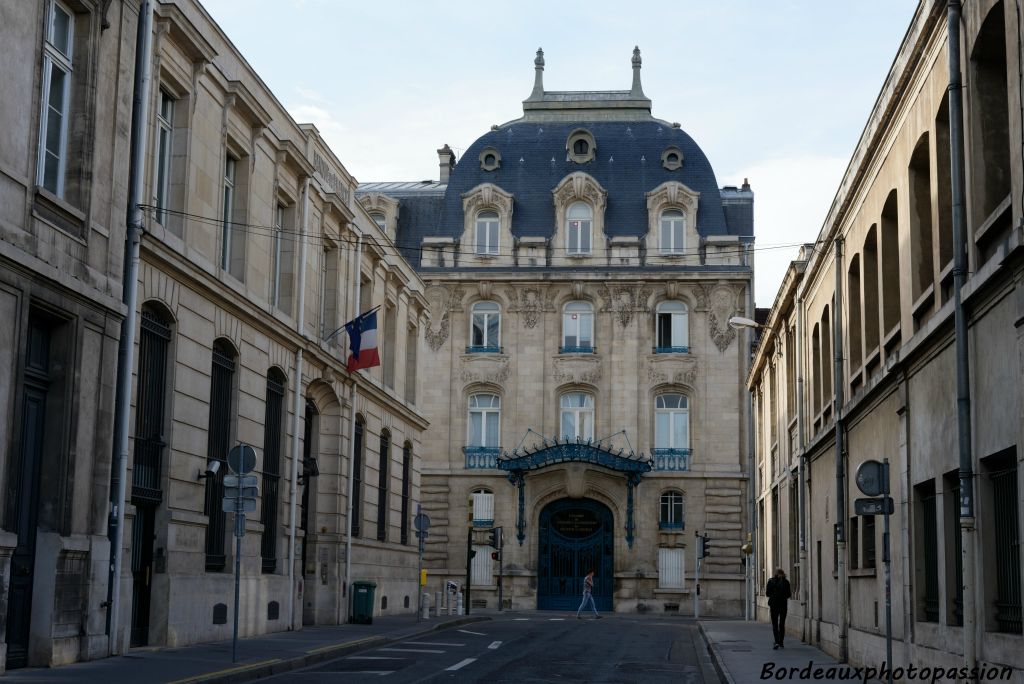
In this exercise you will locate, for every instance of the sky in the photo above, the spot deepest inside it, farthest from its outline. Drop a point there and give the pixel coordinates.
(774, 91)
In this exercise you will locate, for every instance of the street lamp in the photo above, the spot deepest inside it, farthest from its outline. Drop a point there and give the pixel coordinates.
(737, 323)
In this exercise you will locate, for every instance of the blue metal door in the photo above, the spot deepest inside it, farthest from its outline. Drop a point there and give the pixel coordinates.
(575, 537)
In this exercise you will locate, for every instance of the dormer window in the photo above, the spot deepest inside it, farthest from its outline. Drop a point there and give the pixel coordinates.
(580, 146)
(673, 232)
(579, 220)
(672, 158)
(490, 159)
(380, 220)
(487, 233)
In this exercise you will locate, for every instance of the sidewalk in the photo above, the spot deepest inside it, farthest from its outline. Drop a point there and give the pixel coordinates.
(258, 656)
(742, 652)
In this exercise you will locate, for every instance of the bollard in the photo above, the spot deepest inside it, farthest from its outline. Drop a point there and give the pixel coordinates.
(451, 604)
(460, 607)
(437, 604)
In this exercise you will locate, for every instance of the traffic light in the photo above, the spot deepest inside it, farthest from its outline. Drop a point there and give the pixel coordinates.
(705, 550)
(472, 554)
(495, 538)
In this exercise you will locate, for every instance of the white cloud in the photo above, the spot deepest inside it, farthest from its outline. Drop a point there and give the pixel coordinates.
(791, 198)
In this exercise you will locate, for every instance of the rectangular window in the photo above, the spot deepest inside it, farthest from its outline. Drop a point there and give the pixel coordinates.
(482, 567)
(55, 115)
(329, 299)
(578, 329)
(954, 559)
(672, 330)
(411, 344)
(390, 339)
(1002, 475)
(218, 444)
(487, 233)
(357, 478)
(406, 490)
(927, 553)
(868, 542)
(162, 172)
(229, 210)
(671, 565)
(383, 500)
(271, 470)
(579, 237)
(483, 509)
(852, 544)
(672, 225)
(275, 256)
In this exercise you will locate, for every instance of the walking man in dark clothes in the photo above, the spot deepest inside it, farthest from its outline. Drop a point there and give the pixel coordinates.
(778, 592)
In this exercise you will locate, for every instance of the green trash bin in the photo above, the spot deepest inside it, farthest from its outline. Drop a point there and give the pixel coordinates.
(362, 602)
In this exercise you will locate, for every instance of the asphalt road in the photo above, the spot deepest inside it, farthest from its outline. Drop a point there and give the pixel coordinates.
(536, 648)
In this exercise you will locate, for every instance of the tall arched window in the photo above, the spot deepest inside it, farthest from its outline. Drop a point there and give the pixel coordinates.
(272, 437)
(578, 222)
(485, 420)
(487, 232)
(673, 232)
(382, 486)
(578, 327)
(217, 445)
(577, 416)
(672, 422)
(673, 328)
(357, 476)
(485, 335)
(672, 512)
(406, 490)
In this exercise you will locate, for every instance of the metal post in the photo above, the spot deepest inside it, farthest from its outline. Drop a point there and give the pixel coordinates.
(239, 531)
(469, 566)
(886, 558)
(126, 342)
(696, 581)
(963, 377)
(419, 574)
(501, 546)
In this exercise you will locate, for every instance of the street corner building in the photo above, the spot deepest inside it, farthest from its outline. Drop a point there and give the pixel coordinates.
(583, 387)
(858, 361)
(252, 253)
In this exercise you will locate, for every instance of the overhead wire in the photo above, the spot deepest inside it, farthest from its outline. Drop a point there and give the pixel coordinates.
(345, 243)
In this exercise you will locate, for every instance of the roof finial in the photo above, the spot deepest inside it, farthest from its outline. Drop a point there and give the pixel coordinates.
(538, 78)
(637, 90)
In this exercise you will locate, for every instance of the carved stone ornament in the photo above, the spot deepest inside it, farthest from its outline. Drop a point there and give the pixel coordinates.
(442, 301)
(580, 186)
(723, 307)
(489, 368)
(530, 303)
(577, 370)
(664, 368)
(701, 293)
(624, 301)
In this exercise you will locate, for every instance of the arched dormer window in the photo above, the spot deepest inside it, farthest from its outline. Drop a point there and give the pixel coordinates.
(673, 333)
(673, 232)
(577, 421)
(579, 221)
(380, 220)
(487, 233)
(485, 334)
(578, 328)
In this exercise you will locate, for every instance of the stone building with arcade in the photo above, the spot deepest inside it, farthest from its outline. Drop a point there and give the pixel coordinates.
(583, 388)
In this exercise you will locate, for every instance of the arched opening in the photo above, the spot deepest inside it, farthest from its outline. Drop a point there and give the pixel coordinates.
(273, 439)
(853, 293)
(358, 447)
(921, 258)
(890, 267)
(383, 485)
(576, 536)
(221, 421)
(871, 313)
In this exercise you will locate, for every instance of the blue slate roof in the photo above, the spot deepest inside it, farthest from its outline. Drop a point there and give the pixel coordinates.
(627, 164)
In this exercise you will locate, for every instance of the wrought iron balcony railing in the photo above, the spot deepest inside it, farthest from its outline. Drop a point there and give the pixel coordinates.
(671, 459)
(577, 350)
(481, 457)
(474, 349)
(671, 350)
(664, 525)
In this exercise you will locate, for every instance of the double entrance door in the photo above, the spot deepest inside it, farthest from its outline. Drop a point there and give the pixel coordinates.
(575, 538)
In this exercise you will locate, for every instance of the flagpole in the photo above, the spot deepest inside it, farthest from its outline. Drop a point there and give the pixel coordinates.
(352, 449)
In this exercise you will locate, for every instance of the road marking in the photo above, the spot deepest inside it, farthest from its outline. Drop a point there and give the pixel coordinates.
(466, 631)
(431, 643)
(411, 650)
(461, 664)
(339, 645)
(374, 658)
(376, 672)
(222, 672)
(555, 619)
(521, 619)
(494, 645)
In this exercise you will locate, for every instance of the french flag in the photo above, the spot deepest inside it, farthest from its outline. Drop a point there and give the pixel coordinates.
(362, 338)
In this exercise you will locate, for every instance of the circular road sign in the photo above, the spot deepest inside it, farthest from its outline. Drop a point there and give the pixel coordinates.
(242, 459)
(421, 522)
(871, 478)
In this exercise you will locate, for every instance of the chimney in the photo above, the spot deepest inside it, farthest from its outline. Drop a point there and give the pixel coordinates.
(538, 76)
(746, 184)
(637, 90)
(447, 162)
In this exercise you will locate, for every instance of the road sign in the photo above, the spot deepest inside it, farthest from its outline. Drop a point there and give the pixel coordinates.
(242, 459)
(233, 505)
(241, 481)
(874, 506)
(871, 478)
(421, 522)
(240, 492)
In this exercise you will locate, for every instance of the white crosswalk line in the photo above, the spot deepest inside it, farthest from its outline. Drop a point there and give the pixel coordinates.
(521, 619)
(494, 645)
(411, 650)
(380, 673)
(358, 657)
(466, 631)
(430, 643)
(461, 664)
(555, 619)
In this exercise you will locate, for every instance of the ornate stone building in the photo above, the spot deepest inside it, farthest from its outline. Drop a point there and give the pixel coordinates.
(889, 236)
(583, 387)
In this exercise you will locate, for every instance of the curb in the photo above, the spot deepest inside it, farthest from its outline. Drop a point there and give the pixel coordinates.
(248, 673)
(716, 657)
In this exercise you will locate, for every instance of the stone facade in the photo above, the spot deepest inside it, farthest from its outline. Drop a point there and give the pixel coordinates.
(252, 251)
(527, 273)
(898, 398)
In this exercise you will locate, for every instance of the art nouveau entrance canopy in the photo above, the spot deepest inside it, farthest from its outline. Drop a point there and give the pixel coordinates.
(554, 452)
